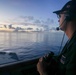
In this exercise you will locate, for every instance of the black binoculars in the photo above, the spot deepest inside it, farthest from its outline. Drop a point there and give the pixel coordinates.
(48, 56)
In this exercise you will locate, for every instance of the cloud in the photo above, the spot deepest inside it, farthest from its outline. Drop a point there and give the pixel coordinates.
(30, 20)
(27, 18)
(21, 20)
(50, 21)
(37, 22)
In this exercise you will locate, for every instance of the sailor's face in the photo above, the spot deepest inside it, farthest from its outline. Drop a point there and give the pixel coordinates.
(62, 21)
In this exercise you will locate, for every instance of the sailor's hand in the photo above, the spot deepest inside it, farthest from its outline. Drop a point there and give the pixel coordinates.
(41, 67)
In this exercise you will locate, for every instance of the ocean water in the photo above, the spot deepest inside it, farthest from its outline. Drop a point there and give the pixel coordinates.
(31, 45)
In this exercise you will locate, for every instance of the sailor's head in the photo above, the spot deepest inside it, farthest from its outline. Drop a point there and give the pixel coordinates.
(68, 12)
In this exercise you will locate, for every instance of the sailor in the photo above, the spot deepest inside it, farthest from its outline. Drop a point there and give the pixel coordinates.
(66, 61)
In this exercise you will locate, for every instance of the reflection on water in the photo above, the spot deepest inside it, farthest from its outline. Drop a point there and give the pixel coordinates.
(32, 44)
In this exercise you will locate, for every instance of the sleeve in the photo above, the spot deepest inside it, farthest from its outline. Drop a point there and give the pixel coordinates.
(71, 66)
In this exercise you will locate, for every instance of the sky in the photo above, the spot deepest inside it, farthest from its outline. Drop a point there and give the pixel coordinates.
(38, 12)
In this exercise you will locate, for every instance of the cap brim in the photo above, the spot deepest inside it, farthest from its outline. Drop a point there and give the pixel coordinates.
(57, 12)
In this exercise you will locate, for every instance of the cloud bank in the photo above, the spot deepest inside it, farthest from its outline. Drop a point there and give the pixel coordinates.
(30, 20)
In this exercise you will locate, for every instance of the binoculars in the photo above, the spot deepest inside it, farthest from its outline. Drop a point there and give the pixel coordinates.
(48, 57)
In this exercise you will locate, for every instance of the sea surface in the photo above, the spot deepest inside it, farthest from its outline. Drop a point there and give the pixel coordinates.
(31, 45)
